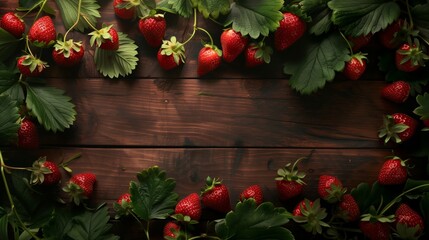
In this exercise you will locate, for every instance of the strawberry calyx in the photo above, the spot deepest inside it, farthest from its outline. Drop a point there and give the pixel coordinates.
(311, 217)
(413, 53)
(184, 218)
(360, 57)
(75, 192)
(34, 63)
(128, 4)
(407, 232)
(210, 184)
(217, 50)
(173, 48)
(99, 36)
(263, 51)
(335, 193)
(38, 171)
(123, 206)
(66, 47)
(390, 129)
(289, 173)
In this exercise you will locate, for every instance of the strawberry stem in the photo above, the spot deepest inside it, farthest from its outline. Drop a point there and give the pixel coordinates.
(348, 43)
(146, 231)
(89, 23)
(79, 6)
(395, 200)
(208, 34)
(409, 14)
(204, 236)
(194, 28)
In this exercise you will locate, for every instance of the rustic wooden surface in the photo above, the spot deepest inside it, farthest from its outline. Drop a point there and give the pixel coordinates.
(236, 124)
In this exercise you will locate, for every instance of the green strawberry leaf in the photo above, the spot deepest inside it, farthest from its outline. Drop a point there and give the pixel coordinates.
(69, 11)
(320, 58)
(424, 209)
(52, 108)
(255, 17)
(152, 196)
(8, 45)
(421, 186)
(163, 5)
(420, 15)
(4, 222)
(423, 109)
(248, 220)
(117, 63)
(320, 14)
(27, 5)
(362, 17)
(182, 7)
(9, 85)
(9, 116)
(368, 196)
(212, 7)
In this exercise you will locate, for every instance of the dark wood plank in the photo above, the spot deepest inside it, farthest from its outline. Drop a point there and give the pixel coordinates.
(241, 112)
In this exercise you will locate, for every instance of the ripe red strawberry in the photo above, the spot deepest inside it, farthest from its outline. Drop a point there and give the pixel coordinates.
(397, 92)
(45, 172)
(123, 205)
(375, 230)
(215, 195)
(348, 209)
(330, 188)
(171, 54)
(209, 58)
(68, 53)
(393, 171)
(30, 66)
(257, 54)
(233, 43)
(12, 24)
(393, 35)
(411, 221)
(153, 29)
(105, 38)
(359, 41)
(28, 136)
(124, 199)
(254, 192)
(289, 181)
(42, 33)
(190, 206)
(302, 206)
(398, 127)
(291, 28)
(410, 58)
(125, 9)
(355, 67)
(80, 186)
(171, 230)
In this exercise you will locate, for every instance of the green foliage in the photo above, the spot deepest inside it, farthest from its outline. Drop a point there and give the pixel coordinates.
(8, 45)
(362, 17)
(212, 7)
(4, 226)
(424, 209)
(9, 85)
(320, 13)
(69, 11)
(26, 5)
(77, 224)
(255, 17)
(117, 63)
(152, 196)
(249, 220)
(8, 119)
(320, 58)
(370, 196)
(423, 109)
(182, 7)
(421, 19)
(52, 108)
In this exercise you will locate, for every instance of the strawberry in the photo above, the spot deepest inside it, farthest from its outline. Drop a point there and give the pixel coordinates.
(397, 92)
(375, 230)
(359, 42)
(80, 186)
(209, 58)
(31, 66)
(233, 43)
(393, 171)
(409, 224)
(289, 181)
(355, 67)
(12, 24)
(171, 54)
(124, 199)
(302, 206)
(348, 209)
(253, 191)
(153, 29)
(257, 54)
(394, 34)
(125, 9)
(105, 38)
(68, 53)
(291, 28)
(330, 188)
(215, 195)
(45, 172)
(123, 205)
(28, 136)
(410, 58)
(310, 215)
(42, 33)
(399, 126)
(171, 230)
(190, 206)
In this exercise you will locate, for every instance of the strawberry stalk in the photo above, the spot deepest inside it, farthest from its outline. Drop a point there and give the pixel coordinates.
(195, 28)
(79, 6)
(12, 204)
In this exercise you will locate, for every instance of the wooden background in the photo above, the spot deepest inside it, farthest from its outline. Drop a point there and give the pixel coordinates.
(236, 124)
